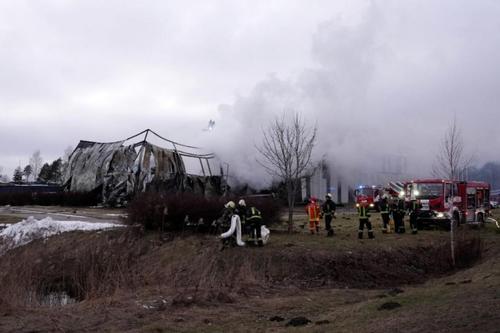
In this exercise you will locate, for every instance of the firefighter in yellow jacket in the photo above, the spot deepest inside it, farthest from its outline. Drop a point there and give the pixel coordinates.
(364, 219)
(314, 213)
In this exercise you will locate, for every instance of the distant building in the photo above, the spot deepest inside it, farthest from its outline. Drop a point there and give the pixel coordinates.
(326, 177)
(322, 180)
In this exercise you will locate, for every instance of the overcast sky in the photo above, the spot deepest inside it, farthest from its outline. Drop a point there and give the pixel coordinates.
(377, 77)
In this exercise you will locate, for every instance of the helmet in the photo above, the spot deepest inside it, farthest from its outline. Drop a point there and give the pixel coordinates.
(329, 195)
(242, 202)
(230, 204)
(313, 199)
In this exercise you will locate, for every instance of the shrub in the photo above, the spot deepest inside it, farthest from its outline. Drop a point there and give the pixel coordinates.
(270, 208)
(147, 209)
(48, 199)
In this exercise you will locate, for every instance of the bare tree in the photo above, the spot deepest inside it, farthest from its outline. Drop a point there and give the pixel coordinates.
(65, 162)
(451, 162)
(286, 153)
(3, 178)
(36, 163)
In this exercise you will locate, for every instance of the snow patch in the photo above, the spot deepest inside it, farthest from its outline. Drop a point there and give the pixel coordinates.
(30, 229)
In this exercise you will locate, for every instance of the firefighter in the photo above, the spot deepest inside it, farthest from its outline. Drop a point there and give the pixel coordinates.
(254, 224)
(364, 219)
(231, 237)
(384, 213)
(328, 211)
(241, 210)
(413, 209)
(313, 212)
(398, 214)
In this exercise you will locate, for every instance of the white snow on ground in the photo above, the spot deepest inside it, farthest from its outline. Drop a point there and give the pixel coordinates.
(30, 229)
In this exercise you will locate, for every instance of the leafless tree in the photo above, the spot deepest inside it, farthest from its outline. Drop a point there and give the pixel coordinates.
(286, 153)
(451, 162)
(65, 161)
(36, 163)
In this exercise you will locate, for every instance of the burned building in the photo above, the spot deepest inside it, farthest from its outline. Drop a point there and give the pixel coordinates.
(115, 171)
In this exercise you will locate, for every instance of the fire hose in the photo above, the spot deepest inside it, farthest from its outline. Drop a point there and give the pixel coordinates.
(235, 228)
(493, 220)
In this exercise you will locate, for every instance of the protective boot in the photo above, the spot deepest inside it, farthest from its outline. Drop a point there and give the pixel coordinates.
(360, 234)
(370, 234)
(330, 233)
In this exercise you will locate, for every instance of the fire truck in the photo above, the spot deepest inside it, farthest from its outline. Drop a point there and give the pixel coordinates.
(442, 200)
(369, 194)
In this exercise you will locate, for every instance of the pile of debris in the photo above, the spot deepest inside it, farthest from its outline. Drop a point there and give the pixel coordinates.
(116, 171)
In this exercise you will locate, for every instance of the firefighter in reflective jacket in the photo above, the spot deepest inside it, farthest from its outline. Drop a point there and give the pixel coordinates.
(364, 219)
(313, 212)
(384, 212)
(413, 208)
(254, 223)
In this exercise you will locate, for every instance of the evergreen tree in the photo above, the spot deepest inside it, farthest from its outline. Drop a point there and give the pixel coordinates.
(28, 170)
(56, 171)
(18, 175)
(45, 173)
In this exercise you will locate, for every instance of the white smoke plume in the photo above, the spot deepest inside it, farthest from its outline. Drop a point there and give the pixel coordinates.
(388, 85)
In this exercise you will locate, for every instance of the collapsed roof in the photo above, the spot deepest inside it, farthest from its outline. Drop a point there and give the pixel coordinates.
(116, 170)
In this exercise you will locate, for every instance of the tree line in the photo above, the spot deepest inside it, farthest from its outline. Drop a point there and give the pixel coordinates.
(38, 171)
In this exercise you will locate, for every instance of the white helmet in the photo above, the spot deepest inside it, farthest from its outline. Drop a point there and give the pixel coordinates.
(230, 204)
(329, 195)
(242, 202)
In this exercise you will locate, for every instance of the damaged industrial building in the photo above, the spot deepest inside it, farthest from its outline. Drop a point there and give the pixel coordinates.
(116, 171)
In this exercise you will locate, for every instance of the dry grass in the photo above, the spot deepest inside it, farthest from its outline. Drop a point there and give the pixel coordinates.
(187, 284)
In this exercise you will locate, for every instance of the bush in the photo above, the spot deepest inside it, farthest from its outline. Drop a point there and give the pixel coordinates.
(49, 199)
(270, 208)
(147, 209)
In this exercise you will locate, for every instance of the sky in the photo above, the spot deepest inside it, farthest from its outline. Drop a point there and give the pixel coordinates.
(377, 78)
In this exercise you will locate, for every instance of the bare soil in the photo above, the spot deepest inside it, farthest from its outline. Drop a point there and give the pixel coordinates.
(123, 281)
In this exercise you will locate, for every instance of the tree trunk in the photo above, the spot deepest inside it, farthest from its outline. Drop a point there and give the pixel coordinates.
(291, 201)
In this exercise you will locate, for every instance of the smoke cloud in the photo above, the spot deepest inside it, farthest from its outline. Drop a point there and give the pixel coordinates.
(382, 89)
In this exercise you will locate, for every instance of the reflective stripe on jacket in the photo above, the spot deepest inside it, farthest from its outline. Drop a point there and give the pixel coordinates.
(313, 211)
(363, 212)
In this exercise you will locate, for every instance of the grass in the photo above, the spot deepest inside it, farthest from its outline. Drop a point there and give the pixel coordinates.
(435, 305)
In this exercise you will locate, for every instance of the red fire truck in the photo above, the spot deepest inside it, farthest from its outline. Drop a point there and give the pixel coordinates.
(369, 194)
(442, 200)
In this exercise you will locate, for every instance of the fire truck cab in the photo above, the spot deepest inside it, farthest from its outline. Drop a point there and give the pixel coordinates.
(369, 194)
(441, 201)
